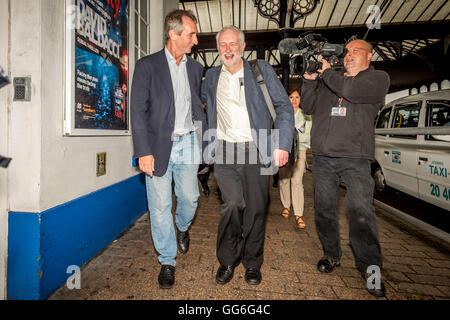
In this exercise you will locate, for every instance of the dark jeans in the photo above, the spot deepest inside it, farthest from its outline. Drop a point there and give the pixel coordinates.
(245, 195)
(363, 233)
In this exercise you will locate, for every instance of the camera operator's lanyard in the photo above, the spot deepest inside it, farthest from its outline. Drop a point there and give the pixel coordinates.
(340, 111)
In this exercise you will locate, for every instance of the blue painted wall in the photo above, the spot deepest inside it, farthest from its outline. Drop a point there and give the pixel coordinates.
(23, 256)
(42, 245)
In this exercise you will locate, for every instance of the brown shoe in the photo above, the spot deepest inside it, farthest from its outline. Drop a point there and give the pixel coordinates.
(285, 213)
(300, 224)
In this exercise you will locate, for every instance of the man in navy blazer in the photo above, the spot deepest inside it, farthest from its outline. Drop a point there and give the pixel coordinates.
(241, 146)
(167, 119)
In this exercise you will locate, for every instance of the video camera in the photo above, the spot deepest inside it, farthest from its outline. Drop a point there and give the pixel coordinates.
(306, 48)
(4, 80)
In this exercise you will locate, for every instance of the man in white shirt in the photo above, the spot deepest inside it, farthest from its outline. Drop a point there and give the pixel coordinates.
(242, 149)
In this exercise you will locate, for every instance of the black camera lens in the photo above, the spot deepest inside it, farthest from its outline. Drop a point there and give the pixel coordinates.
(297, 65)
(312, 66)
(301, 65)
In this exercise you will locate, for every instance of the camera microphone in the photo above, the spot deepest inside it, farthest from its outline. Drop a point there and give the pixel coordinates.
(292, 46)
(296, 45)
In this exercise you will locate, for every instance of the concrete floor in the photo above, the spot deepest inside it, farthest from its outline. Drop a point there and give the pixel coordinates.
(416, 265)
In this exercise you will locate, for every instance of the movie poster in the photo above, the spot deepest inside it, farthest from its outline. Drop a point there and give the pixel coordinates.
(101, 64)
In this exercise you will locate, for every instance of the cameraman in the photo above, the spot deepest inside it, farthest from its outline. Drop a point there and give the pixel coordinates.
(345, 106)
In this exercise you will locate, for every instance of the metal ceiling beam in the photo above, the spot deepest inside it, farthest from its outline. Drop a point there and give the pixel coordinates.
(381, 52)
(424, 66)
(392, 32)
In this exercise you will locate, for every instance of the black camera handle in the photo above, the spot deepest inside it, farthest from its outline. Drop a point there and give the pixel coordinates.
(4, 80)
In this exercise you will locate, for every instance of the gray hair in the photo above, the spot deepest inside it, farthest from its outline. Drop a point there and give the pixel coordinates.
(235, 29)
(174, 21)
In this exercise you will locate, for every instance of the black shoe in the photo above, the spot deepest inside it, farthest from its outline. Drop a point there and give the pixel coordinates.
(371, 285)
(253, 276)
(206, 191)
(166, 277)
(183, 241)
(224, 274)
(327, 264)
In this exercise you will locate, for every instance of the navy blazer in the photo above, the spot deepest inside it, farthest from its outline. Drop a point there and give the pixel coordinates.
(260, 118)
(153, 107)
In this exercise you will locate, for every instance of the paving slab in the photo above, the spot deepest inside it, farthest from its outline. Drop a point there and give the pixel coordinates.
(416, 264)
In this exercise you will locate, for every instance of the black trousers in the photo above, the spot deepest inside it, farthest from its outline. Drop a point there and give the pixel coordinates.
(203, 178)
(363, 233)
(245, 195)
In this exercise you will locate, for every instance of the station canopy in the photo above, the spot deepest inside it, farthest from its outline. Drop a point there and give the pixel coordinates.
(410, 37)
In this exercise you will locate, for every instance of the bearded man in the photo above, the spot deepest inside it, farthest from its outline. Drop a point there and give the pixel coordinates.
(240, 125)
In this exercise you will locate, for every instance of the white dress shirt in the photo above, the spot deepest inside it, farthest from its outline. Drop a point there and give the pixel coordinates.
(233, 122)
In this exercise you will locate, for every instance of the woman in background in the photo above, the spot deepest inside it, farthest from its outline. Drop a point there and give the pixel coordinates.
(291, 178)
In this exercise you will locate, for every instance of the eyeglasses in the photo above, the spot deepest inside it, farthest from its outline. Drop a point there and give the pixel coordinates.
(230, 44)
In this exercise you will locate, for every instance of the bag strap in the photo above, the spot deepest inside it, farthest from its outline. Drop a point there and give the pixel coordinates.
(262, 84)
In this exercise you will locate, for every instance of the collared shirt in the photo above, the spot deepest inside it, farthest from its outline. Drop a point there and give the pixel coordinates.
(303, 123)
(233, 122)
(182, 95)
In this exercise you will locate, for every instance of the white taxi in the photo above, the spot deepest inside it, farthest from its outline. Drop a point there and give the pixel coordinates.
(416, 164)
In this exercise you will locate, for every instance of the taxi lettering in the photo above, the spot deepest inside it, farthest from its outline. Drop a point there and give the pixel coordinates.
(438, 171)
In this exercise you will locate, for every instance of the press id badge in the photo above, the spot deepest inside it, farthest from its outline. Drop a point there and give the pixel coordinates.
(339, 112)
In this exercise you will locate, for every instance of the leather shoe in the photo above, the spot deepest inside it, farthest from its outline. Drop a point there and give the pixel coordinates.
(166, 276)
(253, 276)
(224, 274)
(371, 285)
(183, 241)
(327, 264)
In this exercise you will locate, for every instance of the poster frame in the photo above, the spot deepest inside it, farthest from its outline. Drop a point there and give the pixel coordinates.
(69, 110)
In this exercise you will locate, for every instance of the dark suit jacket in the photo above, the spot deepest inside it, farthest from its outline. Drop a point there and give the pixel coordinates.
(153, 107)
(260, 119)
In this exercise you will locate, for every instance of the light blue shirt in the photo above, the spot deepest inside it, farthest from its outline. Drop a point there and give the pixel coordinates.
(182, 95)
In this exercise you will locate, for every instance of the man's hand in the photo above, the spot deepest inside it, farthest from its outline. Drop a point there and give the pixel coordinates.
(312, 76)
(281, 157)
(325, 65)
(147, 164)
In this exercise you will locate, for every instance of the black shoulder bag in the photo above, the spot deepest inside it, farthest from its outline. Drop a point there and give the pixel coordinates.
(262, 84)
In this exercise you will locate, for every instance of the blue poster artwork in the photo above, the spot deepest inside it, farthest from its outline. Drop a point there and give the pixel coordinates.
(101, 64)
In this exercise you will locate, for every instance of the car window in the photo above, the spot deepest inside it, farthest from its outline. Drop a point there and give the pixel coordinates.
(438, 115)
(406, 116)
(383, 119)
